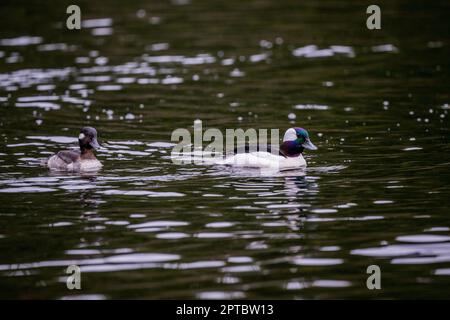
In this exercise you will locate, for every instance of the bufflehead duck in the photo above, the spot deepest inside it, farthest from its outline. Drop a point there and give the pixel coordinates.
(78, 160)
(288, 156)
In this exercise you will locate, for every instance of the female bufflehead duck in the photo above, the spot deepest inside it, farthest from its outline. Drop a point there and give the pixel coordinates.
(78, 160)
(288, 156)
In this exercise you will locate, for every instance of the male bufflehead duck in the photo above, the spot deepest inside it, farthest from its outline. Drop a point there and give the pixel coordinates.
(288, 156)
(78, 160)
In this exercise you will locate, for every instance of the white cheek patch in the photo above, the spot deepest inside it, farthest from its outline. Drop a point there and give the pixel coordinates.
(81, 136)
(290, 135)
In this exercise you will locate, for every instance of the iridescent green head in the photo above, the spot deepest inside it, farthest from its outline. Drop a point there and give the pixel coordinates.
(300, 137)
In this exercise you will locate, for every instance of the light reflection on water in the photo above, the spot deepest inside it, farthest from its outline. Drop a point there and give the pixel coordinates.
(374, 193)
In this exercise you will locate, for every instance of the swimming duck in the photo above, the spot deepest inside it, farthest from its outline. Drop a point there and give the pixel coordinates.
(78, 160)
(287, 156)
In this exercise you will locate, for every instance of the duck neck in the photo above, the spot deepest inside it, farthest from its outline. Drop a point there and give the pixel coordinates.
(291, 149)
(87, 153)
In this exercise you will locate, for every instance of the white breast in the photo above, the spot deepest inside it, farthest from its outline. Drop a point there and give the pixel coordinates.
(264, 160)
(89, 165)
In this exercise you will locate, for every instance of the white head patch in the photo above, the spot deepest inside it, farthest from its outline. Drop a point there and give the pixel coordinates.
(290, 135)
(81, 136)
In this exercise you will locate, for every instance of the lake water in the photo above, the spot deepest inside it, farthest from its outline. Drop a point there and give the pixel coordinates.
(376, 103)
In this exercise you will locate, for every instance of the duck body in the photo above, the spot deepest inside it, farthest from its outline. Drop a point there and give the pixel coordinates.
(82, 160)
(261, 159)
(73, 160)
(286, 157)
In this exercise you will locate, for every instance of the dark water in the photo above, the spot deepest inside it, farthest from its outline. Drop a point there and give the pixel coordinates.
(376, 192)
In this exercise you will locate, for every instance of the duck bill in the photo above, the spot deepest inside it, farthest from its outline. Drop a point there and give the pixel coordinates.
(94, 144)
(309, 145)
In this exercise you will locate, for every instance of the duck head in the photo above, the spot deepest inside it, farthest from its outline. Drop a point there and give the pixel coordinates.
(88, 139)
(295, 140)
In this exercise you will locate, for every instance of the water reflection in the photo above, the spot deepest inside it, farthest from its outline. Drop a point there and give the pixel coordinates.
(423, 249)
(375, 192)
